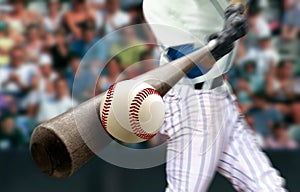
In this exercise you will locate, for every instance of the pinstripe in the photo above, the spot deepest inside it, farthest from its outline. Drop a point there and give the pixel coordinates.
(234, 177)
(222, 166)
(234, 158)
(260, 160)
(198, 184)
(189, 144)
(243, 135)
(177, 155)
(214, 149)
(172, 125)
(244, 156)
(231, 165)
(232, 152)
(255, 160)
(250, 143)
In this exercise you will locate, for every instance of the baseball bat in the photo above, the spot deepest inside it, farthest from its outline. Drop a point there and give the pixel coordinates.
(59, 148)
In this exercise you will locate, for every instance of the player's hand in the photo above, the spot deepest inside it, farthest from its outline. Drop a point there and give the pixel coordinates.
(235, 27)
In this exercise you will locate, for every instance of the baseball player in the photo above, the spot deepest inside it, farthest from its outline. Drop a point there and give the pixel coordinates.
(206, 131)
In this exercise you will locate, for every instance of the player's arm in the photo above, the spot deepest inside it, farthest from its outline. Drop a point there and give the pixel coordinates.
(235, 27)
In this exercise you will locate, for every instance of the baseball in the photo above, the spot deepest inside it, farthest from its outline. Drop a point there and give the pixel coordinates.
(132, 111)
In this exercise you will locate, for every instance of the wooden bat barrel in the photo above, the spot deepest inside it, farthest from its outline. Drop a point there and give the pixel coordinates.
(57, 146)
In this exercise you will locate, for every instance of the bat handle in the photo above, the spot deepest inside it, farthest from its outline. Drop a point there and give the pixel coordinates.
(212, 44)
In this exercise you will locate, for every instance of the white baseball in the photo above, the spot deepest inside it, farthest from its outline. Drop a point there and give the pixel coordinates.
(132, 112)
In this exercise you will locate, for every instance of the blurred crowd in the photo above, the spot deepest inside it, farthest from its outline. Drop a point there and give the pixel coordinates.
(42, 44)
(266, 78)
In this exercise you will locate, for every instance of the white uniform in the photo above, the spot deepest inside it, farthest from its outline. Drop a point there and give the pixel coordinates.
(207, 133)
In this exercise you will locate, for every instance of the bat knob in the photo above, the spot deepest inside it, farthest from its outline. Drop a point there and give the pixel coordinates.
(50, 153)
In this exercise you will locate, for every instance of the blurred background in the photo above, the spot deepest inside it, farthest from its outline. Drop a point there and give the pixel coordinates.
(43, 42)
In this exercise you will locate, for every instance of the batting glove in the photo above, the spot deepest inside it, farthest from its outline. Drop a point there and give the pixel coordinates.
(235, 27)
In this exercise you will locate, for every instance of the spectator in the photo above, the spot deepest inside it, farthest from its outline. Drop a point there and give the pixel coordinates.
(25, 120)
(98, 55)
(48, 40)
(259, 138)
(20, 18)
(7, 104)
(42, 85)
(294, 133)
(79, 13)
(15, 78)
(88, 39)
(81, 79)
(143, 31)
(145, 64)
(98, 4)
(72, 69)
(295, 110)
(249, 72)
(291, 23)
(136, 14)
(280, 138)
(258, 26)
(100, 8)
(264, 56)
(53, 20)
(115, 18)
(10, 136)
(281, 87)
(4, 103)
(6, 44)
(131, 45)
(114, 70)
(48, 76)
(60, 51)
(34, 43)
(247, 83)
(264, 115)
(59, 103)
(33, 99)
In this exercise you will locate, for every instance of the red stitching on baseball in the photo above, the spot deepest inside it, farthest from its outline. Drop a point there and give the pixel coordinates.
(107, 105)
(134, 113)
